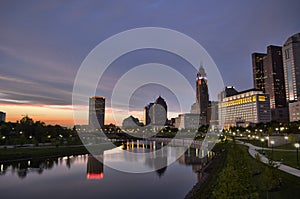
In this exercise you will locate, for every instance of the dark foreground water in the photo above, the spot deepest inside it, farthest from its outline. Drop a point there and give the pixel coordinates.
(85, 177)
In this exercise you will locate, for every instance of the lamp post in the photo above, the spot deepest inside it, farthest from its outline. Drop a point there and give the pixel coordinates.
(262, 144)
(286, 139)
(297, 147)
(272, 143)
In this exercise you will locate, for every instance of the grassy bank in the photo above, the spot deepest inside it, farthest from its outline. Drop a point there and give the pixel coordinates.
(28, 153)
(238, 175)
(285, 157)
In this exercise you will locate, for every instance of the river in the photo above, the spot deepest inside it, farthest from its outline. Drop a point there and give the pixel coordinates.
(83, 176)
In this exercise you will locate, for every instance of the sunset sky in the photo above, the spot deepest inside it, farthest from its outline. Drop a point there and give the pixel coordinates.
(43, 43)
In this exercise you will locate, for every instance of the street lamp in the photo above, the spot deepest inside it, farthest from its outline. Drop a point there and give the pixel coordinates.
(297, 147)
(272, 143)
(267, 137)
(262, 144)
(286, 139)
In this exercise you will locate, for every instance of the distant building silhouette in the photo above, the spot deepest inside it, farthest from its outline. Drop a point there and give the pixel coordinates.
(156, 113)
(131, 123)
(202, 97)
(187, 121)
(96, 111)
(2, 116)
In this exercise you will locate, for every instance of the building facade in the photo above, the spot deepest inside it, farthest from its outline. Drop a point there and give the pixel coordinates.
(268, 76)
(2, 116)
(131, 123)
(294, 110)
(258, 71)
(245, 108)
(187, 121)
(96, 112)
(156, 113)
(291, 64)
(202, 97)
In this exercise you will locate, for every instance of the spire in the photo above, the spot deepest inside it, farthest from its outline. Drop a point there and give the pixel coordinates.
(201, 71)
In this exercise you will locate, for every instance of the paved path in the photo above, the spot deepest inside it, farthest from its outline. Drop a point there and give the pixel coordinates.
(252, 151)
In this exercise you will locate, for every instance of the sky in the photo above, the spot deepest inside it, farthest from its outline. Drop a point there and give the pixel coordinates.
(43, 44)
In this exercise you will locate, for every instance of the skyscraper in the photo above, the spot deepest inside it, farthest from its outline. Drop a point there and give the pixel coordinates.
(291, 64)
(156, 113)
(96, 111)
(258, 71)
(274, 83)
(2, 116)
(268, 76)
(202, 97)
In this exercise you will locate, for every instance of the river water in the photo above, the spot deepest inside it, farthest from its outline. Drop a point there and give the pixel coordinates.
(83, 176)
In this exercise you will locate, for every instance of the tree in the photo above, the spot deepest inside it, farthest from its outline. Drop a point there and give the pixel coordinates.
(268, 180)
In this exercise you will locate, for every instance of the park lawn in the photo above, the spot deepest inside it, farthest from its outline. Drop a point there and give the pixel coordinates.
(289, 146)
(285, 157)
(8, 154)
(289, 187)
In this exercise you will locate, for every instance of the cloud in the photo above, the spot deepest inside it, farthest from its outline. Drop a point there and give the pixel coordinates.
(42, 44)
(15, 101)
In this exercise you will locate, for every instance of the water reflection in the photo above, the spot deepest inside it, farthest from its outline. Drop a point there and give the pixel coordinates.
(22, 168)
(95, 168)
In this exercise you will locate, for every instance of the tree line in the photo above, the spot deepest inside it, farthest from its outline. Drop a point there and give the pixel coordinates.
(28, 131)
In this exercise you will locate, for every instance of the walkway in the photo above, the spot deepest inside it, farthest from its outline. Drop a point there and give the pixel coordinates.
(252, 151)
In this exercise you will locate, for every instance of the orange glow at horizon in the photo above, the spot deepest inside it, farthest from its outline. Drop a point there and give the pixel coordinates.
(50, 114)
(63, 114)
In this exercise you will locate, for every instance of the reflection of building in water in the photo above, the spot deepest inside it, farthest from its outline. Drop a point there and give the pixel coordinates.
(159, 163)
(192, 156)
(159, 160)
(95, 167)
(24, 167)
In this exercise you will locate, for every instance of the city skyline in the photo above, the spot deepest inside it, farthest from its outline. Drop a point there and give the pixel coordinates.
(43, 45)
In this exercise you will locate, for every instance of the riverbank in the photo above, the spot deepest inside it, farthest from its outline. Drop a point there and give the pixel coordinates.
(253, 180)
(23, 153)
(201, 188)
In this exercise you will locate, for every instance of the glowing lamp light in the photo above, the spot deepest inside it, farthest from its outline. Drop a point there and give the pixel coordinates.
(272, 142)
(297, 145)
(286, 137)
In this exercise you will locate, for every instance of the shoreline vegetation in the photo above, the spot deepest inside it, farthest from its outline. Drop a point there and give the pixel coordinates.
(235, 174)
(23, 153)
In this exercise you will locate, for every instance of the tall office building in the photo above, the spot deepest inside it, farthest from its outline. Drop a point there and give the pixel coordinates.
(291, 64)
(96, 111)
(258, 71)
(2, 116)
(156, 113)
(269, 77)
(147, 119)
(202, 97)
